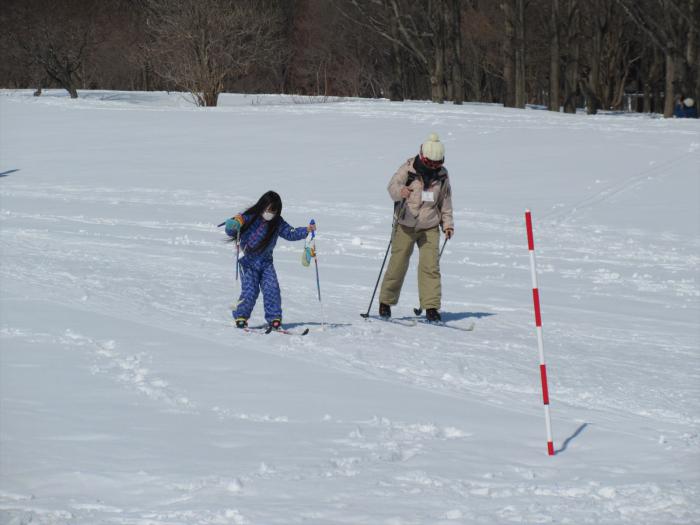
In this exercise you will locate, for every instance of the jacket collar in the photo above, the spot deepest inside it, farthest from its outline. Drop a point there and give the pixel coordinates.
(427, 175)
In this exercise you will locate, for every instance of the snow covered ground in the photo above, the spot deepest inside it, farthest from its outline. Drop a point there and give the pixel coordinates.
(127, 398)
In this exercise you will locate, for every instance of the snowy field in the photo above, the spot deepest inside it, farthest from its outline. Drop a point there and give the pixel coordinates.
(127, 398)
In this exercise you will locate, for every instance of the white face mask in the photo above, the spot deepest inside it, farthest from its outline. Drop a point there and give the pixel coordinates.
(268, 215)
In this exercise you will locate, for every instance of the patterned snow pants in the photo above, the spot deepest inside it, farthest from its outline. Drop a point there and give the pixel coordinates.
(254, 278)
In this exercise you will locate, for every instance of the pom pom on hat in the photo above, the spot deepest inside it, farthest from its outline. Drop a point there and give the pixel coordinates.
(432, 149)
(689, 102)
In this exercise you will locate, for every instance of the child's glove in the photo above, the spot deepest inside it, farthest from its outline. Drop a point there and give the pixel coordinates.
(234, 224)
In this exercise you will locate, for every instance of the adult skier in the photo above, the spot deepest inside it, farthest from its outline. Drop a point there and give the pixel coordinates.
(422, 195)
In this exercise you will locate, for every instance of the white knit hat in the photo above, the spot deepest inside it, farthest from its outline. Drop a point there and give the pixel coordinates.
(432, 149)
(689, 102)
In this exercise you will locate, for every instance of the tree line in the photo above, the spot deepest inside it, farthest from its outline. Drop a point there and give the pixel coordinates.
(637, 55)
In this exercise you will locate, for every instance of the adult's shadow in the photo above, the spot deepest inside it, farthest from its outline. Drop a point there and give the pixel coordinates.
(457, 316)
(6, 173)
(570, 438)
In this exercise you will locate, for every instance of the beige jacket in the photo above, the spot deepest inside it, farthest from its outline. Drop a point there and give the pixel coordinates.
(420, 213)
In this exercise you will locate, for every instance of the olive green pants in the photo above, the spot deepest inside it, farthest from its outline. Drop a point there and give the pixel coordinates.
(429, 287)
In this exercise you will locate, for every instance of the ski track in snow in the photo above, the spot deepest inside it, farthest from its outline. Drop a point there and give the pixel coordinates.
(147, 255)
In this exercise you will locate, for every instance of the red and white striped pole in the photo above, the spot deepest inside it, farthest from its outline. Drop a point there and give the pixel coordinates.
(538, 325)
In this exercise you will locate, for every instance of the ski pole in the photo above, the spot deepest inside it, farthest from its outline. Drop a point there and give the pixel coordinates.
(391, 239)
(238, 250)
(234, 307)
(313, 241)
(318, 281)
(238, 244)
(419, 310)
(443, 247)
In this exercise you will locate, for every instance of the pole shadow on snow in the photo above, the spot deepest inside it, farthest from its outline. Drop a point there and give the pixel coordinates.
(570, 438)
(6, 173)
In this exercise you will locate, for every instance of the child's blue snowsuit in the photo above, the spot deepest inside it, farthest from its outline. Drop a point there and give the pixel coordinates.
(257, 270)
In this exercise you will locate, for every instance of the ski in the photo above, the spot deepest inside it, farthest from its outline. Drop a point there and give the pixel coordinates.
(265, 330)
(327, 326)
(400, 322)
(284, 331)
(469, 328)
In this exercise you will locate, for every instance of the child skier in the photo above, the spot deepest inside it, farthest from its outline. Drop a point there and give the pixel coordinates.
(257, 230)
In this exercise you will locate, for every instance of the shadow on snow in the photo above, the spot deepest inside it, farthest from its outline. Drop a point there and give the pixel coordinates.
(570, 438)
(457, 316)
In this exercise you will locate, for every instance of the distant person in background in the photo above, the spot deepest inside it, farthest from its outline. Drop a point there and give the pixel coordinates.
(421, 191)
(691, 110)
(686, 109)
(678, 107)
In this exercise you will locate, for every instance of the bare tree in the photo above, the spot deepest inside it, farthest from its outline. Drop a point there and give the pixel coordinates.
(554, 57)
(663, 21)
(392, 20)
(571, 54)
(608, 56)
(509, 54)
(326, 55)
(514, 52)
(55, 36)
(520, 94)
(482, 50)
(651, 73)
(198, 45)
(690, 67)
(454, 21)
(423, 31)
(553, 52)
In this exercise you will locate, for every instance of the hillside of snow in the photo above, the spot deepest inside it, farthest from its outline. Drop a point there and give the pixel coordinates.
(127, 397)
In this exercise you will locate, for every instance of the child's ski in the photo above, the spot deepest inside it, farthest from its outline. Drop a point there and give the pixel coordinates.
(264, 330)
(284, 331)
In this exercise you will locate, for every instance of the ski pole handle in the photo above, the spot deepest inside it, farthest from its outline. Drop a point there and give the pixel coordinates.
(398, 211)
(313, 232)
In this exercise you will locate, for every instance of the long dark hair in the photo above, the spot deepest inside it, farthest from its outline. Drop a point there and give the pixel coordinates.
(271, 200)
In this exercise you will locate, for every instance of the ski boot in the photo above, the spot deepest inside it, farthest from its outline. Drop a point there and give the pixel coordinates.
(275, 325)
(384, 311)
(432, 315)
(242, 323)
